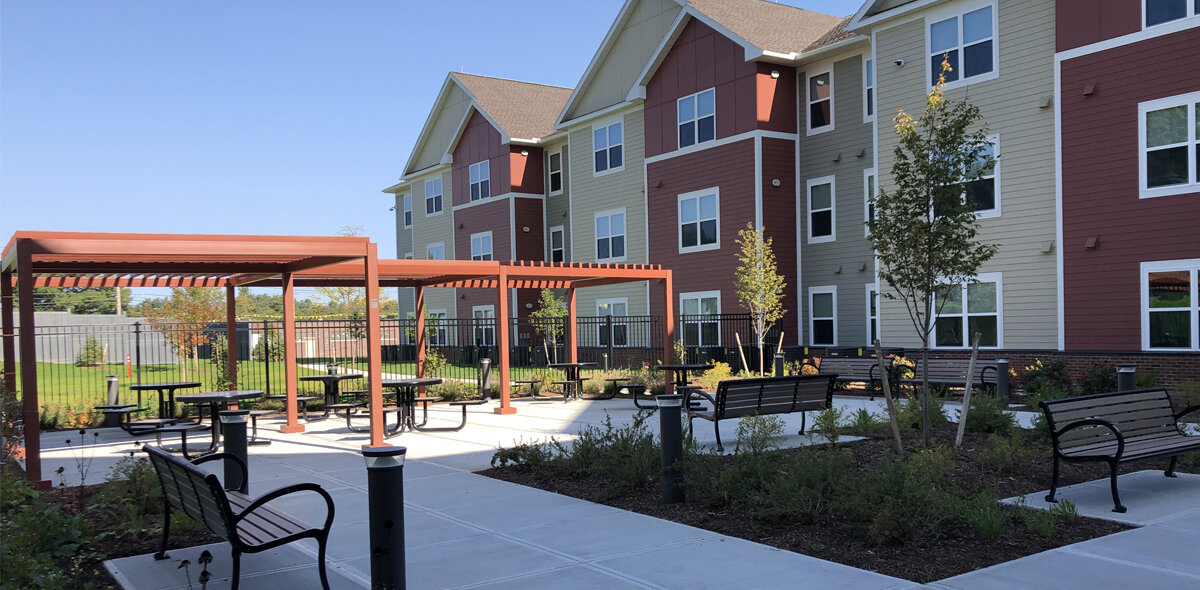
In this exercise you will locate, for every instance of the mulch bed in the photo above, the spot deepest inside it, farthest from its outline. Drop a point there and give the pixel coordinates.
(921, 560)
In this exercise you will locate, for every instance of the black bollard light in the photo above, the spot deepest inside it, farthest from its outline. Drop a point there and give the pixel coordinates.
(1126, 377)
(1002, 378)
(113, 420)
(485, 378)
(233, 429)
(779, 367)
(385, 503)
(670, 429)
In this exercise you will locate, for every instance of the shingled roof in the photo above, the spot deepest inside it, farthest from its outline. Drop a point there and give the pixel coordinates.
(522, 110)
(777, 28)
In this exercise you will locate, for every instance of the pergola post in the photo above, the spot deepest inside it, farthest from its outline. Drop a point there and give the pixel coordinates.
(231, 335)
(421, 341)
(374, 366)
(668, 330)
(29, 392)
(289, 353)
(572, 336)
(502, 343)
(9, 332)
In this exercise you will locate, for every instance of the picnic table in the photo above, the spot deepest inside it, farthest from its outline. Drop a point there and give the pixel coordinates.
(679, 379)
(332, 395)
(573, 384)
(407, 400)
(217, 400)
(166, 395)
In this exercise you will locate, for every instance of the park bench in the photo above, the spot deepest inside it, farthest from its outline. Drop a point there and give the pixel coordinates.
(1116, 428)
(950, 373)
(247, 523)
(853, 370)
(736, 398)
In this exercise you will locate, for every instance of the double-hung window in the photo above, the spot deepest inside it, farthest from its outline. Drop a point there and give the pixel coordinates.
(701, 318)
(1158, 12)
(435, 251)
(554, 165)
(697, 118)
(868, 200)
(868, 90)
(820, 102)
(407, 210)
(610, 235)
(618, 331)
(481, 184)
(1171, 305)
(433, 197)
(435, 327)
(481, 246)
(484, 317)
(872, 313)
(1170, 145)
(983, 194)
(963, 310)
(967, 41)
(698, 221)
(822, 316)
(608, 143)
(557, 244)
(821, 210)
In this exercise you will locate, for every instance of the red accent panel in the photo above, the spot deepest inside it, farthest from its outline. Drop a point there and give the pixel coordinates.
(479, 141)
(525, 172)
(1100, 187)
(531, 244)
(776, 98)
(779, 219)
(1082, 22)
(491, 217)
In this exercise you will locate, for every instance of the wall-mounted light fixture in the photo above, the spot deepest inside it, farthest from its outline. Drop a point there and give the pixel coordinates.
(775, 74)
(460, 226)
(775, 182)
(525, 229)
(528, 306)
(524, 152)
(899, 63)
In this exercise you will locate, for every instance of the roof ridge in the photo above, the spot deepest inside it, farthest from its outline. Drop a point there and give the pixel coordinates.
(510, 80)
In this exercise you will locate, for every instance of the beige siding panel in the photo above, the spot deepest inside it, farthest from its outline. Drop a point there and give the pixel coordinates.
(441, 299)
(556, 207)
(1011, 106)
(438, 228)
(632, 48)
(839, 262)
(445, 122)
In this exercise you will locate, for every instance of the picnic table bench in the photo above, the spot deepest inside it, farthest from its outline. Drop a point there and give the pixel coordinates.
(247, 523)
(736, 398)
(853, 370)
(950, 373)
(1116, 428)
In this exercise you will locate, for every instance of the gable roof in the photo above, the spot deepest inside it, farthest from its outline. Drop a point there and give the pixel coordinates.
(874, 11)
(521, 111)
(770, 28)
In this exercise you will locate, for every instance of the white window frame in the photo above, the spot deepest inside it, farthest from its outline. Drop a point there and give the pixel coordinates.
(550, 172)
(482, 171)
(832, 182)
(486, 334)
(490, 244)
(816, 71)
(716, 193)
(869, 98)
(869, 178)
(607, 127)
(994, 140)
(695, 120)
(406, 207)
(1191, 13)
(812, 319)
(1192, 266)
(1188, 100)
(624, 234)
(699, 296)
(432, 246)
(957, 10)
(873, 320)
(965, 315)
(408, 255)
(434, 197)
(440, 336)
(550, 243)
(610, 301)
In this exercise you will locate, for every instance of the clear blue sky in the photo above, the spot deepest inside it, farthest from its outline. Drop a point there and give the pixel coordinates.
(271, 117)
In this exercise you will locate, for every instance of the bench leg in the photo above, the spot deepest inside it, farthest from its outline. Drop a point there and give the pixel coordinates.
(237, 570)
(1053, 482)
(162, 550)
(717, 430)
(254, 440)
(321, 543)
(1112, 478)
(1170, 472)
(803, 422)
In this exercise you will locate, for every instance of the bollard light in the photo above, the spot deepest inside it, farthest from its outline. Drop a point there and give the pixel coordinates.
(385, 503)
(1126, 377)
(1002, 379)
(233, 429)
(671, 438)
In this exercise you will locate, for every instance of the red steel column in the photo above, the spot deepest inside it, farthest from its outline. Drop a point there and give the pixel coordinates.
(668, 329)
(231, 335)
(374, 364)
(289, 353)
(502, 343)
(29, 389)
(9, 332)
(572, 336)
(421, 340)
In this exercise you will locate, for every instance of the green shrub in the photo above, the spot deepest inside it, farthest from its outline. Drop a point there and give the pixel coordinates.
(984, 513)
(268, 348)
(863, 422)
(759, 434)
(1145, 379)
(908, 413)
(988, 414)
(627, 456)
(1043, 374)
(523, 456)
(719, 372)
(1039, 522)
(434, 362)
(1066, 510)
(220, 361)
(1098, 378)
(1005, 454)
(828, 423)
(1046, 394)
(453, 390)
(91, 355)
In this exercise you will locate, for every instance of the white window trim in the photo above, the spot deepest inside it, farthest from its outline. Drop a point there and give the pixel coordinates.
(867, 296)
(983, 277)
(600, 327)
(716, 192)
(624, 153)
(868, 65)
(493, 327)
(696, 118)
(441, 193)
(479, 182)
(959, 9)
(1193, 266)
(441, 245)
(491, 243)
(819, 70)
(550, 243)
(406, 211)
(1192, 13)
(698, 295)
(868, 173)
(607, 213)
(808, 211)
(408, 255)
(561, 177)
(1193, 186)
(438, 314)
(995, 212)
(822, 290)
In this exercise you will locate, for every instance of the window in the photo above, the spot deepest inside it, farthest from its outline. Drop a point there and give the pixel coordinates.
(610, 235)
(1171, 305)
(821, 211)
(698, 226)
(435, 328)
(481, 246)
(697, 118)
(481, 185)
(433, 197)
(407, 210)
(868, 90)
(484, 317)
(557, 244)
(435, 251)
(822, 320)
(966, 309)
(618, 308)
(1158, 12)
(607, 145)
(820, 102)
(701, 318)
(408, 255)
(984, 194)
(868, 199)
(968, 42)
(556, 174)
(872, 313)
(1170, 145)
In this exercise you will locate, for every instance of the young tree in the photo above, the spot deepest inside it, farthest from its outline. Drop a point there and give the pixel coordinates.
(190, 310)
(925, 229)
(548, 319)
(758, 284)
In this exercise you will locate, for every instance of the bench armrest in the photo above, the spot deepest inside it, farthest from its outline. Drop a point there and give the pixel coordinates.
(1092, 422)
(984, 372)
(1186, 411)
(227, 457)
(808, 363)
(277, 493)
(696, 392)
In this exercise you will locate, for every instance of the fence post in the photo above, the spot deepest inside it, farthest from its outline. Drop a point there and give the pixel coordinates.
(137, 348)
(266, 340)
(608, 329)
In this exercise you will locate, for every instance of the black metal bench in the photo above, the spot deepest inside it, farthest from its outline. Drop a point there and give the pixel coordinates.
(1116, 428)
(950, 373)
(247, 523)
(853, 370)
(736, 398)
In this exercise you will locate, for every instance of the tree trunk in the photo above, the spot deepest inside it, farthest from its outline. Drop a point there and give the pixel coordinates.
(761, 368)
(925, 394)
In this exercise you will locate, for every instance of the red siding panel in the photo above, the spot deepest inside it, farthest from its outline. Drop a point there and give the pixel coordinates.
(530, 244)
(1082, 22)
(479, 141)
(491, 217)
(525, 172)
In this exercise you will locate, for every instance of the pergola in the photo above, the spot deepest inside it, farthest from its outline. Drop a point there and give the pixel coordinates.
(69, 259)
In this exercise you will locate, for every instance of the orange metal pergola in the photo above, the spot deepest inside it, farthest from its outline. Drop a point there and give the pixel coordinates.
(70, 259)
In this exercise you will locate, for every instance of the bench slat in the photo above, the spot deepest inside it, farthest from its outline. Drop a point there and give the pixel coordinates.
(1111, 409)
(1089, 401)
